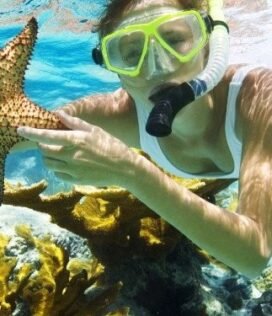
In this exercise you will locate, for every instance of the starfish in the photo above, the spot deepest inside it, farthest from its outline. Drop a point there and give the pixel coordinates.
(15, 108)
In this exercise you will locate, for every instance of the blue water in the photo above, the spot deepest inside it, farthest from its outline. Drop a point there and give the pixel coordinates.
(62, 70)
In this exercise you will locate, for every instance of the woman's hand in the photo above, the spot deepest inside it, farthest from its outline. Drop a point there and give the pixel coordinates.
(85, 154)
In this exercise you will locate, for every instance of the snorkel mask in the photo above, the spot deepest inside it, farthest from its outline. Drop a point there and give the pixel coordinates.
(171, 37)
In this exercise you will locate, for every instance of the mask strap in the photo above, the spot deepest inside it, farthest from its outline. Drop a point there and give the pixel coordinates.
(97, 56)
(218, 22)
(210, 23)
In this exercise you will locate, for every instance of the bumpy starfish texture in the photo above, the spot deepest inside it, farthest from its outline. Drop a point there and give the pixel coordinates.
(15, 108)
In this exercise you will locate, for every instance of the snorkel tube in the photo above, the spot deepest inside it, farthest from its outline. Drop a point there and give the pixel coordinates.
(169, 101)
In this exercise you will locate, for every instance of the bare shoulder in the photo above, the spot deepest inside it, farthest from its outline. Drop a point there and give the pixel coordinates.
(255, 109)
(113, 103)
(255, 99)
(123, 101)
(255, 115)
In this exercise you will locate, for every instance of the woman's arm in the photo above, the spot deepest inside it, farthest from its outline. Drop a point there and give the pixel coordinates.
(235, 239)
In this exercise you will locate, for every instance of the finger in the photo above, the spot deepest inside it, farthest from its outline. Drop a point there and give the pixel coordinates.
(50, 148)
(65, 177)
(46, 136)
(55, 164)
(74, 122)
(55, 151)
(68, 109)
(53, 161)
(51, 151)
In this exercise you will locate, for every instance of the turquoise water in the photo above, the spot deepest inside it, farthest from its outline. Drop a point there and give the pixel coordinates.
(62, 70)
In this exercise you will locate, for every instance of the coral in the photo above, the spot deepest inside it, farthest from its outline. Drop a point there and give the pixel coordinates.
(115, 222)
(143, 256)
(118, 225)
(32, 197)
(140, 252)
(142, 265)
(6, 266)
(56, 286)
(264, 282)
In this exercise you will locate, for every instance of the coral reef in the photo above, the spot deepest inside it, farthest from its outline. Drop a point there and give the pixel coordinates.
(136, 247)
(141, 265)
(115, 223)
(53, 285)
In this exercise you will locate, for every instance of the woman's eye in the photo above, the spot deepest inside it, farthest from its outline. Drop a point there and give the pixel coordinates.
(173, 40)
(180, 43)
(131, 55)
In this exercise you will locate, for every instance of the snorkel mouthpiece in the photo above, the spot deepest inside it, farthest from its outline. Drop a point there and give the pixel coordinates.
(168, 102)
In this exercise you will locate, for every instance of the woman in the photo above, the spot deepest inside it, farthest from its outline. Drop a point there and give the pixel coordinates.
(159, 51)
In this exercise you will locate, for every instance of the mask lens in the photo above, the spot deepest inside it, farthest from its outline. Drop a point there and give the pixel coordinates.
(124, 50)
(182, 36)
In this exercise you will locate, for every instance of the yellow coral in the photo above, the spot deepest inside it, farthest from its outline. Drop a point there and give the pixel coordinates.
(31, 196)
(6, 266)
(9, 288)
(264, 282)
(97, 215)
(41, 287)
(93, 267)
(148, 231)
(3, 243)
(120, 312)
(57, 286)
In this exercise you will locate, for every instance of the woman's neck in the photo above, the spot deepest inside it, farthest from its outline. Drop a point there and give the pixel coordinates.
(202, 120)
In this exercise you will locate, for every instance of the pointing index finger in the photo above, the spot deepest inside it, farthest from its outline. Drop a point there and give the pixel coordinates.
(46, 136)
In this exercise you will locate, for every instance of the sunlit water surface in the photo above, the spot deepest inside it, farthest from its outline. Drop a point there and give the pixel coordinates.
(61, 69)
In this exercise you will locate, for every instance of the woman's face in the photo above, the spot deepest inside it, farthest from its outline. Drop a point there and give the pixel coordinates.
(152, 76)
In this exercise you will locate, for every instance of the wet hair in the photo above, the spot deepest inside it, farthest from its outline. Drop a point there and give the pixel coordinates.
(114, 8)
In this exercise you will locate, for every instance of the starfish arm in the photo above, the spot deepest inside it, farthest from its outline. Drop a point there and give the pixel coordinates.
(14, 58)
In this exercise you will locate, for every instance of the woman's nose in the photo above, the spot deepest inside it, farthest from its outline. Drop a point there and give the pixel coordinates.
(158, 61)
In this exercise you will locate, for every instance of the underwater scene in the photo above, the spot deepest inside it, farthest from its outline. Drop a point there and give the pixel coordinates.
(94, 251)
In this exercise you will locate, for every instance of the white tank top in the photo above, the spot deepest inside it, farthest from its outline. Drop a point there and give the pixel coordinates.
(151, 145)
